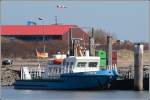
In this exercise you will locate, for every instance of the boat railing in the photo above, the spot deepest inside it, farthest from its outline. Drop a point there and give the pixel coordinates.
(37, 72)
(112, 67)
(32, 73)
(52, 72)
(66, 69)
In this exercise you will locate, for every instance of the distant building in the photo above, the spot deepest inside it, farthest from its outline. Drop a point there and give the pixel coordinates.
(56, 39)
(36, 32)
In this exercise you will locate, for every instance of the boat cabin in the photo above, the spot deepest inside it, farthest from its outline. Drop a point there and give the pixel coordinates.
(74, 64)
(69, 65)
(82, 64)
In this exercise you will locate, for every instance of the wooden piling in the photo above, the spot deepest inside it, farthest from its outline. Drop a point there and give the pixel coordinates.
(138, 67)
(71, 51)
(109, 50)
(91, 44)
(0, 71)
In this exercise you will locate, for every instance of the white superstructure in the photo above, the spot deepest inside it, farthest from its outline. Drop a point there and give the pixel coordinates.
(74, 64)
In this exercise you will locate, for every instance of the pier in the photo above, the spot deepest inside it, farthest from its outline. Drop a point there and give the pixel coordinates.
(126, 79)
(133, 79)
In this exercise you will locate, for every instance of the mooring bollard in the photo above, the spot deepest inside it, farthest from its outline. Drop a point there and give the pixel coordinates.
(138, 67)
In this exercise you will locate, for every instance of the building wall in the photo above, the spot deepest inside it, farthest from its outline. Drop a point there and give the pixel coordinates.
(76, 33)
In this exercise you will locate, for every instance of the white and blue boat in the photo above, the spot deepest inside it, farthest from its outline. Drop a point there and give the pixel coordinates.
(73, 72)
(77, 71)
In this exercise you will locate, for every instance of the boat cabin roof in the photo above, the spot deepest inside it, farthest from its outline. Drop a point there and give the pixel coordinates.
(87, 59)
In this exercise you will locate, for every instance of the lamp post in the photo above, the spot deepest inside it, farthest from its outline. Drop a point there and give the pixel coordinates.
(43, 33)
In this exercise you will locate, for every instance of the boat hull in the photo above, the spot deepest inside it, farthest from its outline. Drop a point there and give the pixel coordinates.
(67, 82)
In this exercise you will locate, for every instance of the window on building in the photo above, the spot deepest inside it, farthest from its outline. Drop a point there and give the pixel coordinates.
(92, 64)
(37, 37)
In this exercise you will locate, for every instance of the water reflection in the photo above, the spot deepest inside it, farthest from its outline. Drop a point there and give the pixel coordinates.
(11, 94)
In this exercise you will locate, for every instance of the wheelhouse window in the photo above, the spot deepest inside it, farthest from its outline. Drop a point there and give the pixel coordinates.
(92, 64)
(81, 64)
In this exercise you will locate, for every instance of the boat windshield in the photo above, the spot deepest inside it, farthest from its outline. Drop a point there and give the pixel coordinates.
(81, 64)
(92, 64)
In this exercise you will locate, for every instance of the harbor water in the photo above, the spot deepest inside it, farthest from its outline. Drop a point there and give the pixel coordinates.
(9, 93)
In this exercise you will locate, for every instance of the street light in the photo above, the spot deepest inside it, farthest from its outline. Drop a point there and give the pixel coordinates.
(43, 33)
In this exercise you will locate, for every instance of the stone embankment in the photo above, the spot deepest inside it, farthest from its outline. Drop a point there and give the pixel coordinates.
(10, 73)
(8, 76)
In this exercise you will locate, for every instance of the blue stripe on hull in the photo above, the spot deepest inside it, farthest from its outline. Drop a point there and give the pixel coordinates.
(65, 82)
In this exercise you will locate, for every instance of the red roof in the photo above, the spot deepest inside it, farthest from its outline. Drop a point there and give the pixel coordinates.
(34, 29)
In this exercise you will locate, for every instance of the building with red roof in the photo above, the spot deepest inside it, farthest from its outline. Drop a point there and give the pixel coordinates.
(36, 32)
(27, 30)
(31, 36)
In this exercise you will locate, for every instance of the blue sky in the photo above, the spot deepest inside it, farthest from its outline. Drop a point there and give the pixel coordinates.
(128, 20)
